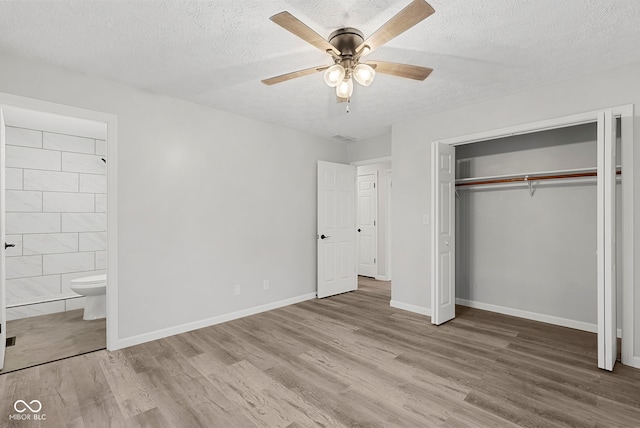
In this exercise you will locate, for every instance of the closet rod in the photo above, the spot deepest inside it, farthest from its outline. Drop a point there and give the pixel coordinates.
(530, 178)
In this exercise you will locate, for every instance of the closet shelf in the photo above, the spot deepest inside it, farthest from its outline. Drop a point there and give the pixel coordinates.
(529, 177)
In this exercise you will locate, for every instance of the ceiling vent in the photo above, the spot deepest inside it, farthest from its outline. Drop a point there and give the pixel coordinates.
(344, 138)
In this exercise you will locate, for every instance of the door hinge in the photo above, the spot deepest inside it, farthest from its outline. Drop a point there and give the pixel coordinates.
(374, 185)
(374, 260)
(374, 222)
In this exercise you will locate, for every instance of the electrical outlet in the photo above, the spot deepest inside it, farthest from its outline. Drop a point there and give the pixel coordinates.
(265, 284)
(236, 289)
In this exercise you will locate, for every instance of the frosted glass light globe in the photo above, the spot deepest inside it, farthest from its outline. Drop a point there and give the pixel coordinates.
(345, 88)
(364, 74)
(334, 75)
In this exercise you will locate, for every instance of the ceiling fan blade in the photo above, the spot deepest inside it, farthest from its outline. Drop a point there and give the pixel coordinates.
(415, 12)
(300, 29)
(401, 70)
(292, 75)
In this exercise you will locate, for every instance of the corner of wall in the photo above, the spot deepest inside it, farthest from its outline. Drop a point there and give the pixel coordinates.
(411, 308)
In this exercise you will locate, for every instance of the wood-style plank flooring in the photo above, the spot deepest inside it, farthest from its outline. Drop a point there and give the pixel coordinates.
(51, 337)
(345, 361)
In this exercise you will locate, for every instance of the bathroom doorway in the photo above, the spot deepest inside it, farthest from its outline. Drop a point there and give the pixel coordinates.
(55, 209)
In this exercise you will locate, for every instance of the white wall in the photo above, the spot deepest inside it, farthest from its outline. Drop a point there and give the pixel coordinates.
(411, 161)
(370, 148)
(55, 205)
(207, 200)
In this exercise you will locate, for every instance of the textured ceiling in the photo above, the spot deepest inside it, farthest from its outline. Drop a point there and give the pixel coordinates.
(216, 52)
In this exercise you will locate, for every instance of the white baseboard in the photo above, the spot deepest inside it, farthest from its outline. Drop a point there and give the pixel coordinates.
(636, 362)
(183, 328)
(549, 319)
(411, 308)
(381, 278)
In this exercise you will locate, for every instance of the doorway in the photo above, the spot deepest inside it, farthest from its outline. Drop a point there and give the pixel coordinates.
(374, 218)
(59, 180)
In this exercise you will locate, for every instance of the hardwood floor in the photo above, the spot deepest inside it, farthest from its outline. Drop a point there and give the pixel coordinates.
(51, 337)
(347, 361)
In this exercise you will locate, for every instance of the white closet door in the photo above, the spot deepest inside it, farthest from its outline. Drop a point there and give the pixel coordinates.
(336, 229)
(606, 246)
(443, 237)
(3, 302)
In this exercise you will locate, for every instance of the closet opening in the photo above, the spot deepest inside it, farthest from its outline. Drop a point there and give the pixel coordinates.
(519, 220)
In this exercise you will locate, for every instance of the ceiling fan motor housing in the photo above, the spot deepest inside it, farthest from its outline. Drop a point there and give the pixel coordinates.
(346, 40)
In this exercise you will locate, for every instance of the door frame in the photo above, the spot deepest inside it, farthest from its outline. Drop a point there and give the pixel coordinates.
(376, 221)
(388, 233)
(626, 114)
(389, 177)
(9, 101)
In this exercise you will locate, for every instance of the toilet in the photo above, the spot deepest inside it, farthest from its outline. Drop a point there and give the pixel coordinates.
(94, 288)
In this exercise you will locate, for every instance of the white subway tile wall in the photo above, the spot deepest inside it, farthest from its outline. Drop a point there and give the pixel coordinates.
(83, 222)
(32, 289)
(101, 259)
(50, 181)
(67, 263)
(14, 313)
(62, 202)
(49, 243)
(27, 157)
(91, 183)
(56, 217)
(24, 137)
(13, 178)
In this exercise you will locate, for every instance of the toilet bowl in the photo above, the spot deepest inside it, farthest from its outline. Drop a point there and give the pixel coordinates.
(94, 288)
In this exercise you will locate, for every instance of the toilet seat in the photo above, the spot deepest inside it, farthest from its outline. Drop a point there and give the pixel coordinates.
(95, 279)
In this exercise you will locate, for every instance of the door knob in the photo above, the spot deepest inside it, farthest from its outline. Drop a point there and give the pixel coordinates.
(8, 245)
(324, 236)
(358, 230)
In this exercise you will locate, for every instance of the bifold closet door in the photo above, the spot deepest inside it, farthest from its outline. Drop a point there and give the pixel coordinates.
(3, 301)
(443, 237)
(606, 245)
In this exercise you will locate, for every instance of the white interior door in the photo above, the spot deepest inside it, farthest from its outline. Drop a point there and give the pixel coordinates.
(3, 302)
(336, 235)
(367, 242)
(443, 281)
(606, 247)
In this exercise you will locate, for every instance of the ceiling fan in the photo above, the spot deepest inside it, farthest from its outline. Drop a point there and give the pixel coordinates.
(347, 47)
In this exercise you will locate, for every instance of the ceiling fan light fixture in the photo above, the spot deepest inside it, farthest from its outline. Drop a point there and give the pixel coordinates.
(334, 75)
(364, 74)
(345, 88)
